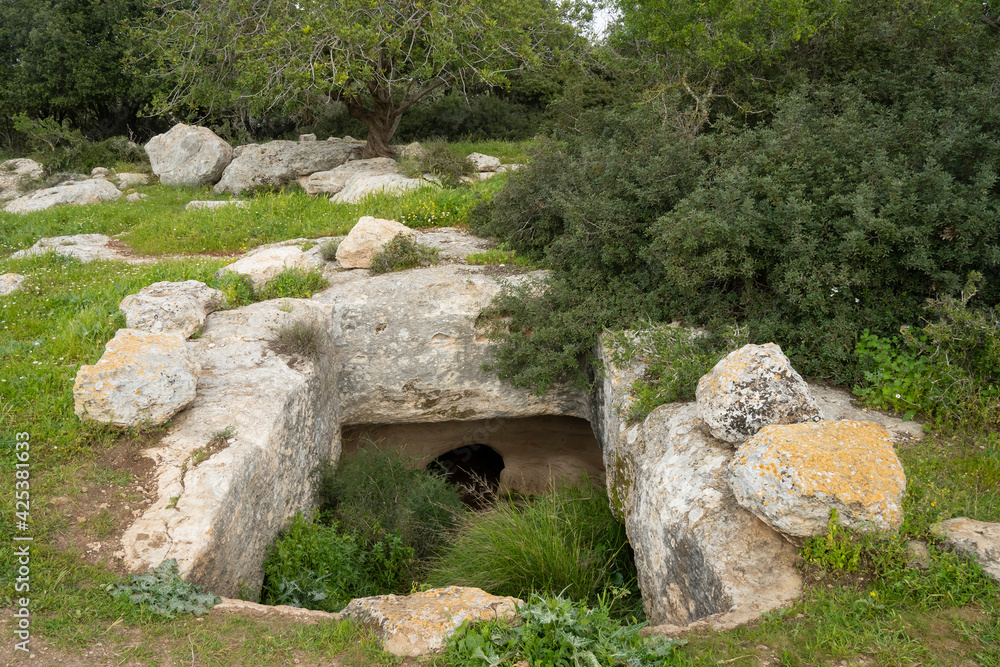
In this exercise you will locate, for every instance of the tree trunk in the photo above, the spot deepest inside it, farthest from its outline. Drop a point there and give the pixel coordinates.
(381, 123)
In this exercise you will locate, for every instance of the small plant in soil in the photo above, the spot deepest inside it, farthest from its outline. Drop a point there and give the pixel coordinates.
(164, 592)
(403, 253)
(328, 251)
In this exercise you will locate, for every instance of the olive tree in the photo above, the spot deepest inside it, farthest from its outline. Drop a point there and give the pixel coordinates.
(378, 57)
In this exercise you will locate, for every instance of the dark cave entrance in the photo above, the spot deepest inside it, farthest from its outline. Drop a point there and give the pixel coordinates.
(475, 469)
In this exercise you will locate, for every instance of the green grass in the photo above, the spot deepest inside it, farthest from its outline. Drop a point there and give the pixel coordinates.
(509, 152)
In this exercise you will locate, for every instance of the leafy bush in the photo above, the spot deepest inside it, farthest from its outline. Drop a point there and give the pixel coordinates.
(564, 543)
(375, 492)
(440, 160)
(60, 147)
(324, 567)
(558, 631)
(402, 253)
(948, 370)
(163, 590)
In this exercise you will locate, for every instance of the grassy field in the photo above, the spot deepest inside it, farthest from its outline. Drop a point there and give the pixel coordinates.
(85, 479)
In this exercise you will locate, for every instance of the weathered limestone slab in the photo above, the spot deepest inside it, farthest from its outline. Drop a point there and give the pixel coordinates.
(167, 307)
(418, 624)
(78, 193)
(131, 179)
(333, 181)
(753, 387)
(263, 266)
(837, 404)
(279, 611)
(979, 539)
(84, 247)
(11, 282)
(484, 162)
(366, 239)
(791, 476)
(213, 204)
(362, 185)
(278, 163)
(14, 172)
(142, 379)
(218, 517)
(188, 155)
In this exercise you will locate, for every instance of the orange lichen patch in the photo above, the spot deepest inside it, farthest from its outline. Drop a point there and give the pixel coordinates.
(420, 623)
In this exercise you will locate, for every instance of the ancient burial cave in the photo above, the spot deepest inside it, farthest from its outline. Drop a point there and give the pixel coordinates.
(526, 454)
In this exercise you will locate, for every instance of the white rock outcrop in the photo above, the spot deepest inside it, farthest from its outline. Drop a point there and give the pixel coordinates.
(188, 155)
(278, 163)
(791, 476)
(128, 179)
(84, 247)
(142, 379)
(168, 307)
(11, 282)
(978, 539)
(751, 388)
(261, 267)
(366, 239)
(484, 162)
(333, 181)
(418, 624)
(13, 173)
(91, 191)
(214, 204)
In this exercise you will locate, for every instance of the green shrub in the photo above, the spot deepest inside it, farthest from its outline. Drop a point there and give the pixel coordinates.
(61, 148)
(564, 543)
(323, 567)
(376, 492)
(402, 253)
(237, 288)
(164, 592)
(558, 631)
(499, 255)
(329, 250)
(293, 284)
(448, 166)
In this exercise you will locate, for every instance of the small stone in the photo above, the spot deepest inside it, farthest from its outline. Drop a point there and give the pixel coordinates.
(212, 204)
(307, 137)
(59, 501)
(135, 197)
(978, 539)
(171, 307)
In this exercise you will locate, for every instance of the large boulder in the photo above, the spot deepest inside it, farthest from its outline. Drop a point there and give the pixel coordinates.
(751, 388)
(13, 174)
(167, 307)
(188, 155)
(91, 191)
(366, 239)
(791, 476)
(142, 379)
(278, 163)
(262, 266)
(418, 624)
(333, 181)
(978, 539)
(484, 162)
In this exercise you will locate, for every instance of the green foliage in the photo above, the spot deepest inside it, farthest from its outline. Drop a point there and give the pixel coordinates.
(675, 360)
(329, 250)
(300, 339)
(440, 160)
(293, 284)
(60, 147)
(164, 592)
(237, 288)
(376, 492)
(948, 370)
(834, 551)
(323, 567)
(564, 543)
(499, 255)
(558, 631)
(402, 253)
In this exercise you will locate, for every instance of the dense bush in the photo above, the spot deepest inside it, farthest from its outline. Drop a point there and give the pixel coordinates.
(564, 543)
(375, 492)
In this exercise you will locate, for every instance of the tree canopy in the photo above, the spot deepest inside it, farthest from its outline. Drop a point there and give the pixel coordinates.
(379, 57)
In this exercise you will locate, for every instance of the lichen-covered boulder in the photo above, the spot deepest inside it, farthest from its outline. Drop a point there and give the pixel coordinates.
(751, 388)
(91, 191)
(167, 307)
(979, 539)
(11, 282)
(188, 155)
(262, 266)
(278, 163)
(418, 624)
(366, 239)
(142, 379)
(791, 476)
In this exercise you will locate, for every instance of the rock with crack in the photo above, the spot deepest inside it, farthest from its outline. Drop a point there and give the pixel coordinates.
(751, 388)
(77, 193)
(791, 476)
(278, 163)
(84, 247)
(364, 184)
(11, 282)
(978, 539)
(142, 379)
(188, 155)
(262, 266)
(14, 174)
(168, 307)
(218, 515)
(366, 239)
(419, 624)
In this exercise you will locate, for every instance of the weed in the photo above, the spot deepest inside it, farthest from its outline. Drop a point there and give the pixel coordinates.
(834, 551)
(237, 289)
(293, 284)
(328, 251)
(299, 339)
(500, 255)
(402, 253)
(164, 592)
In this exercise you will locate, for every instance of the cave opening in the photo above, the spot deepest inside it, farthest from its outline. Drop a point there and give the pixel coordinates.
(475, 469)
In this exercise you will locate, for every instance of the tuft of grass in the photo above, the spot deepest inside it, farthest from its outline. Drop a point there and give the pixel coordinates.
(500, 255)
(299, 339)
(329, 250)
(564, 543)
(403, 253)
(293, 284)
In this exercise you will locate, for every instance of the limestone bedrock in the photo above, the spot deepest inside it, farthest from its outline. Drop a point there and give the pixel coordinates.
(791, 476)
(978, 539)
(169, 307)
(751, 388)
